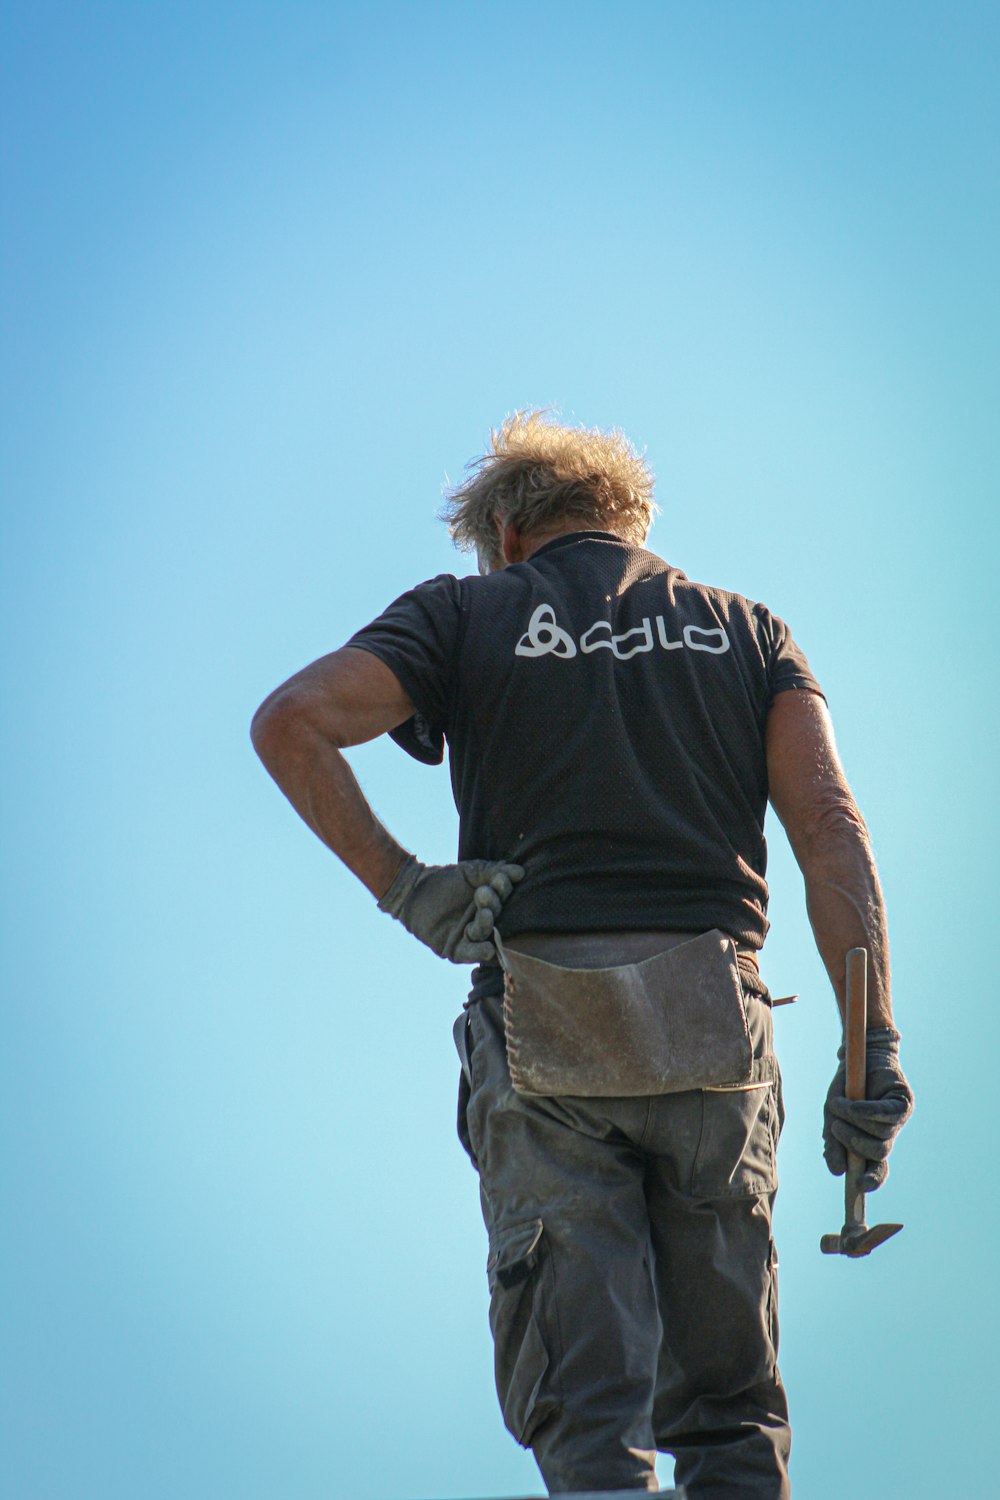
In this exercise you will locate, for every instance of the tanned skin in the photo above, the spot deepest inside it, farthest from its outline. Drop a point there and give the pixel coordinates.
(342, 699)
(351, 696)
(810, 794)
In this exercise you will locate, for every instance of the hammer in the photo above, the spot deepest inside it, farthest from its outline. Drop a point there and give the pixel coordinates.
(856, 1239)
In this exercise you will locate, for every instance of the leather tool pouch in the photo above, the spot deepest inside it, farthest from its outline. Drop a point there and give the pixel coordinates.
(671, 1022)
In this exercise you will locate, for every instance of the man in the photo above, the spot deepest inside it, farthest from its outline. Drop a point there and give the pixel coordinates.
(615, 732)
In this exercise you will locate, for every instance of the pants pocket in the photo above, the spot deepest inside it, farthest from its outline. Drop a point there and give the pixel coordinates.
(462, 1033)
(519, 1276)
(772, 1307)
(737, 1154)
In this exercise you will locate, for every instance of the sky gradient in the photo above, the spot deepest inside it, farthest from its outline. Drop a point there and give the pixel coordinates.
(269, 276)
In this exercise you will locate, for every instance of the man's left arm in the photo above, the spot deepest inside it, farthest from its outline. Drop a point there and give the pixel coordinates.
(299, 732)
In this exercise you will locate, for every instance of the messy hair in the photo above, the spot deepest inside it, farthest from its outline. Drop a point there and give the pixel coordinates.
(540, 473)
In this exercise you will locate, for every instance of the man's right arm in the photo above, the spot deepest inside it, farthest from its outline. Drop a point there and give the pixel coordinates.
(810, 794)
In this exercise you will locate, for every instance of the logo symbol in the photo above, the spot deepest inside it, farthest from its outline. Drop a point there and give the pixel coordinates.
(543, 636)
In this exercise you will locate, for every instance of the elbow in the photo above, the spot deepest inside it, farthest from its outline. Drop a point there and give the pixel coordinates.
(275, 725)
(258, 729)
(262, 731)
(291, 724)
(836, 821)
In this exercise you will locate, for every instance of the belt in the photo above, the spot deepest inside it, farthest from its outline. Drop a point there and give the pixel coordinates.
(586, 950)
(593, 950)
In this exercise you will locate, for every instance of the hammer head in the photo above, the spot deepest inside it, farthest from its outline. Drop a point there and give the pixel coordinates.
(856, 1240)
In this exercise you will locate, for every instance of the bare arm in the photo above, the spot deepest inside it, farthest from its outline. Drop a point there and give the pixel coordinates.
(299, 731)
(810, 794)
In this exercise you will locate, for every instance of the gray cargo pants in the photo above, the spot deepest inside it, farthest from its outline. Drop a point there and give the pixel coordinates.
(632, 1275)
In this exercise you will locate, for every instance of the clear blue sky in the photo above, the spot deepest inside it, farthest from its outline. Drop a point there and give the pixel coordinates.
(269, 274)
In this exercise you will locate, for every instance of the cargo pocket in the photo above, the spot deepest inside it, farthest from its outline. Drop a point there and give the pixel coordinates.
(462, 1033)
(737, 1155)
(772, 1307)
(519, 1274)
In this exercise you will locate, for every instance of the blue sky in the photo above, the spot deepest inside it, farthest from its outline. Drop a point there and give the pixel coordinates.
(269, 276)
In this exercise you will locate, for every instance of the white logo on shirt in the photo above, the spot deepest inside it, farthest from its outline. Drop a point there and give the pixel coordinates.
(545, 637)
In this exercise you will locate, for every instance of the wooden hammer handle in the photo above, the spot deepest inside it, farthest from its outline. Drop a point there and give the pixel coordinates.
(856, 1021)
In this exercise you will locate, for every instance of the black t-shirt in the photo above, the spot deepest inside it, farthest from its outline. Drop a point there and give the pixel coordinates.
(605, 722)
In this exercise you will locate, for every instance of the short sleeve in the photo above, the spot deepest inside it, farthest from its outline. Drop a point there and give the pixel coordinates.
(787, 667)
(417, 638)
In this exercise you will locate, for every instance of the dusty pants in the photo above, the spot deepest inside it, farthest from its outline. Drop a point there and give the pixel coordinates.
(632, 1275)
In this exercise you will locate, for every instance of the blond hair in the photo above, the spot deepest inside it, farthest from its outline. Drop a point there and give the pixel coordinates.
(540, 473)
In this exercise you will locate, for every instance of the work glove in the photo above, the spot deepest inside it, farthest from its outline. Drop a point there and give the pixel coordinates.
(452, 908)
(868, 1126)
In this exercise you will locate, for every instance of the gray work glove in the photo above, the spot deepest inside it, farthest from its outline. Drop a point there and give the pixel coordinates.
(868, 1126)
(451, 908)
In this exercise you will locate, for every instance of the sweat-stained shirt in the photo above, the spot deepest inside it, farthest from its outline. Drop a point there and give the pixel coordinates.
(605, 724)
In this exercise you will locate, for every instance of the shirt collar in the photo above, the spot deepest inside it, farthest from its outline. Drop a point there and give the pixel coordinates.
(569, 537)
